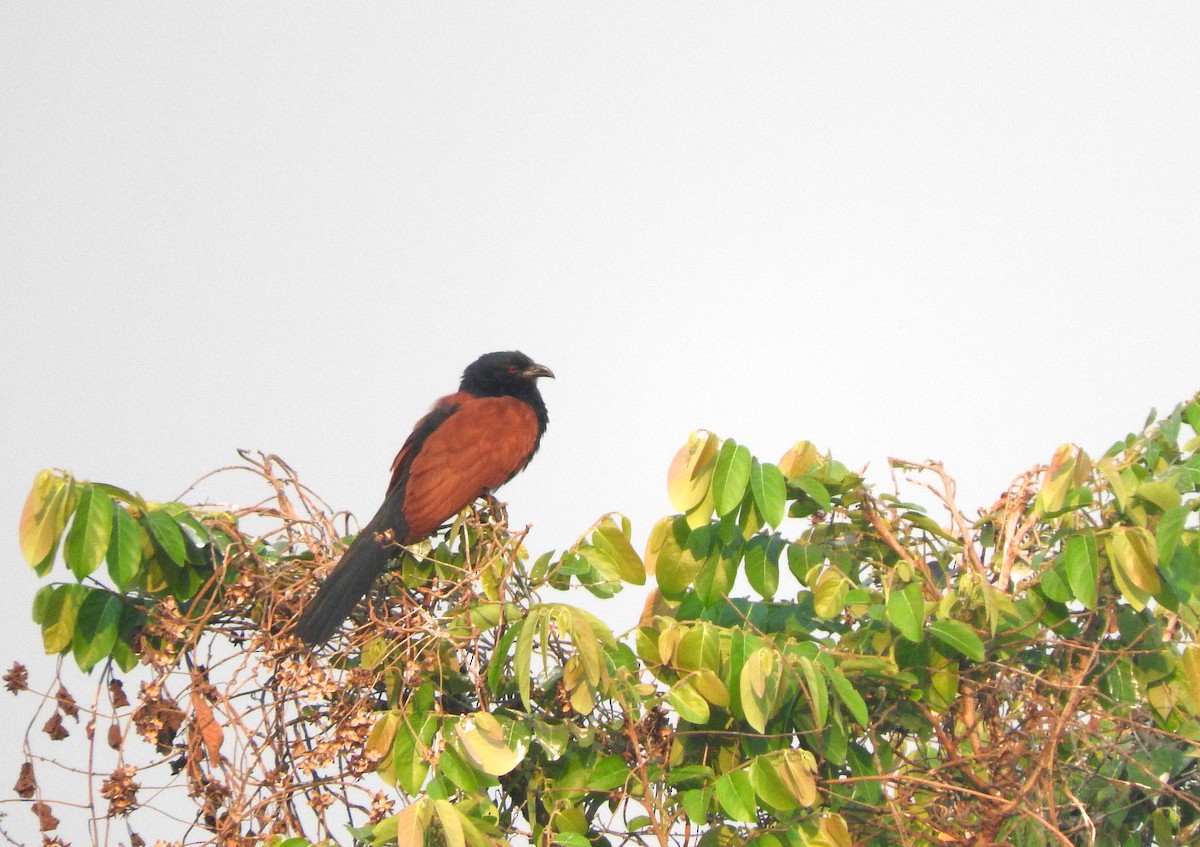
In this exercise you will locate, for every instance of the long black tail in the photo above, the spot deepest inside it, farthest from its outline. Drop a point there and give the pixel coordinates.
(352, 578)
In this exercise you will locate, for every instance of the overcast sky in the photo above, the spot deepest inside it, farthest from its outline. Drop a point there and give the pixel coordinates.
(966, 231)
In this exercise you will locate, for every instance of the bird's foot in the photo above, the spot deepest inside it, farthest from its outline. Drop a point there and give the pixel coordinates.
(492, 511)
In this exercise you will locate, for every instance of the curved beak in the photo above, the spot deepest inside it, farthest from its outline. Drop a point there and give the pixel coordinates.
(536, 370)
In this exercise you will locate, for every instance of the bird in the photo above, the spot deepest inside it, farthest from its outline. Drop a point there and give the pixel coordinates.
(469, 444)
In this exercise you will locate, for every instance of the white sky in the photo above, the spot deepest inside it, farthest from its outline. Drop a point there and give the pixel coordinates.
(965, 231)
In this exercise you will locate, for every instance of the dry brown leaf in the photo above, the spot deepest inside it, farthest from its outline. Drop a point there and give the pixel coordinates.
(46, 821)
(66, 703)
(116, 693)
(206, 723)
(17, 678)
(54, 727)
(26, 784)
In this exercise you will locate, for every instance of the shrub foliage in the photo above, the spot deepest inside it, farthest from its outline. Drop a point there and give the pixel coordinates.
(818, 663)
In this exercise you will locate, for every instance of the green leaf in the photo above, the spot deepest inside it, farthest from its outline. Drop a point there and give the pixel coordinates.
(851, 699)
(96, 628)
(695, 803)
(1054, 584)
(762, 568)
(906, 610)
(715, 578)
(1170, 527)
(959, 637)
(731, 476)
(125, 545)
(818, 695)
(411, 749)
(1119, 683)
(735, 793)
(1082, 565)
(523, 654)
(571, 839)
(553, 738)
(166, 532)
(87, 540)
(815, 490)
(455, 769)
(770, 491)
(609, 773)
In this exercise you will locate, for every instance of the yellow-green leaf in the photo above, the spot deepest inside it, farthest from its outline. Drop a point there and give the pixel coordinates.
(758, 686)
(482, 739)
(609, 537)
(411, 825)
(1189, 667)
(451, 821)
(1160, 495)
(581, 688)
(770, 786)
(523, 653)
(45, 515)
(690, 474)
(798, 777)
(59, 614)
(834, 832)
(710, 687)
(1134, 552)
(689, 703)
(829, 593)
(800, 459)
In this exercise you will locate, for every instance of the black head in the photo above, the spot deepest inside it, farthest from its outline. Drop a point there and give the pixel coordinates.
(507, 373)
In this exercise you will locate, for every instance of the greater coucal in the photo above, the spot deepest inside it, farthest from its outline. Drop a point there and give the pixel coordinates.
(470, 443)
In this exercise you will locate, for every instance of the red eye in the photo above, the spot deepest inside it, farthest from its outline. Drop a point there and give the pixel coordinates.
(512, 369)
